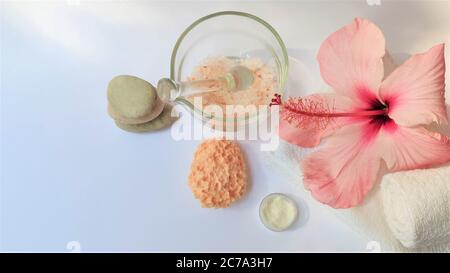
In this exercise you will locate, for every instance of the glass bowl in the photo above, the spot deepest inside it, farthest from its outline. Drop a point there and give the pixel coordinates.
(231, 34)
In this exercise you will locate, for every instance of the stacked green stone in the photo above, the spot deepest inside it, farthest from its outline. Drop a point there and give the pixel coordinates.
(135, 106)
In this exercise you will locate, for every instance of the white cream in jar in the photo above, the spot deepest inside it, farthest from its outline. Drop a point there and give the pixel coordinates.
(278, 212)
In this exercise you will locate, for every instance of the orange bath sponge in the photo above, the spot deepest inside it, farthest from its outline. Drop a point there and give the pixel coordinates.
(218, 174)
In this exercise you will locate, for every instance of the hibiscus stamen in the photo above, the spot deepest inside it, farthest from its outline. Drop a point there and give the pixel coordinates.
(316, 114)
(362, 113)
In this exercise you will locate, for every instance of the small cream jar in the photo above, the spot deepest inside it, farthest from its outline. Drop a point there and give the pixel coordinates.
(278, 212)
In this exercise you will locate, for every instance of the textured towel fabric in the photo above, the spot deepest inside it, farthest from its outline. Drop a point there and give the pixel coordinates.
(417, 206)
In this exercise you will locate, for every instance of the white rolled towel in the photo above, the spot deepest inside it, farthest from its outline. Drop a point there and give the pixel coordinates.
(416, 205)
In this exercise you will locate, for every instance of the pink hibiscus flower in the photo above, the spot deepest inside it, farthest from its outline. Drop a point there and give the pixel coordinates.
(377, 124)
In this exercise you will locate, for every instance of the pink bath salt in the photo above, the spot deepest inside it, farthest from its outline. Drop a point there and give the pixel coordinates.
(260, 92)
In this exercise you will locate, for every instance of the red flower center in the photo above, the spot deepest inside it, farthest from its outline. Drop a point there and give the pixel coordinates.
(382, 117)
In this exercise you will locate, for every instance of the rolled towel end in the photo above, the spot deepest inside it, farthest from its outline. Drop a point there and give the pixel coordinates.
(417, 206)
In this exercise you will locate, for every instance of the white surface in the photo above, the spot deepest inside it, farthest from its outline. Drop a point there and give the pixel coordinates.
(68, 174)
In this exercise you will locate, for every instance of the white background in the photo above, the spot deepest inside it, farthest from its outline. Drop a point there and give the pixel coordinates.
(68, 174)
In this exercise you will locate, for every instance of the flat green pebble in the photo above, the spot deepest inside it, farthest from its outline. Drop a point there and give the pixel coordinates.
(131, 97)
(162, 121)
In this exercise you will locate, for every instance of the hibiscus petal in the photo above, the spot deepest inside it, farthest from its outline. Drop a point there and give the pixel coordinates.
(297, 136)
(310, 137)
(350, 61)
(345, 170)
(413, 148)
(342, 173)
(415, 90)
